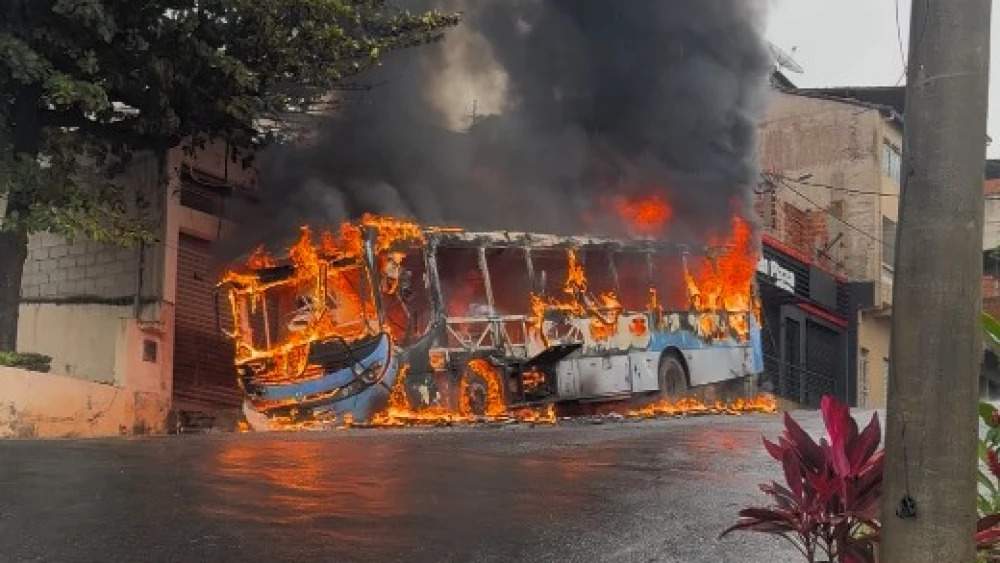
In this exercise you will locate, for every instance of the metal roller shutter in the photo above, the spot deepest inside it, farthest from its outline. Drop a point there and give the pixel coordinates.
(203, 359)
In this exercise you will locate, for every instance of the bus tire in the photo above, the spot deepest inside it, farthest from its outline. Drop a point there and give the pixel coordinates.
(672, 375)
(473, 393)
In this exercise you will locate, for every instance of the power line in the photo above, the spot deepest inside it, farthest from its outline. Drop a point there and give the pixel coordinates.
(899, 41)
(828, 186)
(827, 211)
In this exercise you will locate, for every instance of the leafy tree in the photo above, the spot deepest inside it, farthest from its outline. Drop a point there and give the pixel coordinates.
(85, 83)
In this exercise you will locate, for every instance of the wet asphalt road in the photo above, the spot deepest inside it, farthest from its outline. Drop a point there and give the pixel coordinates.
(651, 491)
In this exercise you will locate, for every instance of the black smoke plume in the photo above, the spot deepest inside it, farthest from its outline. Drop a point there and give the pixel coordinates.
(576, 101)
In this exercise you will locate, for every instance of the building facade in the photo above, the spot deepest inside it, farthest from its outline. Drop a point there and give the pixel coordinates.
(806, 326)
(129, 329)
(830, 191)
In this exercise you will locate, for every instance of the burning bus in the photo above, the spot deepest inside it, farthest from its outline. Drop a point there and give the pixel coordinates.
(387, 319)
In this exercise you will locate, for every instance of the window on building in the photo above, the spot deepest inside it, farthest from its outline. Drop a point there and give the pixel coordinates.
(863, 385)
(888, 242)
(891, 161)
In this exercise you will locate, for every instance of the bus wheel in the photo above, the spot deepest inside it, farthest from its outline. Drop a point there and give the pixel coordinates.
(481, 392)
(474, 394)
(673, 377)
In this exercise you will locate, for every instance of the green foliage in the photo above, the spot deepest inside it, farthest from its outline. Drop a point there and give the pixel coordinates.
(991, 330)
(88, 82)
(29, 361)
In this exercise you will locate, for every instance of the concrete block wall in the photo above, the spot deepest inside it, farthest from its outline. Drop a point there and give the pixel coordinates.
(58, 268)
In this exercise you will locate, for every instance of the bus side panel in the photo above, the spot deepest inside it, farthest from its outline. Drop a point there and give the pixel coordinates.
(568, 377)
(645, 366)
(603, 376)
(718, 363)
(681, 339)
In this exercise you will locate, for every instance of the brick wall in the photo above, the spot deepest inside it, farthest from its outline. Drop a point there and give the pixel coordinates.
(991, 286)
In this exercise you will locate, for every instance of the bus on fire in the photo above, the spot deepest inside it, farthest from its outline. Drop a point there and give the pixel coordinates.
(476, 323)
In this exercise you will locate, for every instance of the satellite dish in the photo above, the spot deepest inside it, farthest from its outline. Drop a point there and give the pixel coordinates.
(784, 60)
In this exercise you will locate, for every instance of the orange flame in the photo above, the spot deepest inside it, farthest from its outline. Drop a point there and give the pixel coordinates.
(644, 215)
(494, 389)
(762, 403)
(536, 415)
(330, 299)
(603, 310)
(260, 259)
(400, 413)
(720, 289)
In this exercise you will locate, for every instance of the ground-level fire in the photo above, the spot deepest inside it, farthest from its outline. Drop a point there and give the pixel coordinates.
(387, 320)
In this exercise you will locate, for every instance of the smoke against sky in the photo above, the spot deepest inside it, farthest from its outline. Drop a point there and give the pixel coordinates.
(576, 101)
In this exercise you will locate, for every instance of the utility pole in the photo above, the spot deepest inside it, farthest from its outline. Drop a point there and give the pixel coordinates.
(928, 498)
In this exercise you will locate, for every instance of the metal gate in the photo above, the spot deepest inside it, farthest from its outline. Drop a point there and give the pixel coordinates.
(810, 356)
(203, 359)
(824, 350)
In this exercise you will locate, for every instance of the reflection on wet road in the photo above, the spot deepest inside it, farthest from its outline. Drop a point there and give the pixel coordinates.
(652, 491)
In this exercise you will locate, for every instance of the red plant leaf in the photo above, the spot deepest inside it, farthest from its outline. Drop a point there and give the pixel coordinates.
(987, 538)
(823, 487)
(839, 424)
(777, 451)
(793, 472)
(866, 496)
(835, 415)
(785, 499)
(987, 522)
(866, 445)
(809, 452)
(762, 514)
(763, 520)
(993, 461)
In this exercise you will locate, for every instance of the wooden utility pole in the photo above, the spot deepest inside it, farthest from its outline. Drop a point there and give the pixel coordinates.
(928, 500)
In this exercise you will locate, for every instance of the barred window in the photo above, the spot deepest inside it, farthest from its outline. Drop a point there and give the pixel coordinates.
(891, 161)
(888, 242)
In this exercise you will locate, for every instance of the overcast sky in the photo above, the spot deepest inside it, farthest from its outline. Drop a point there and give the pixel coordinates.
(854, 43)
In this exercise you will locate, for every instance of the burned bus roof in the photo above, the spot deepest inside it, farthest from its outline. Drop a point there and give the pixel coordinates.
(519, 239)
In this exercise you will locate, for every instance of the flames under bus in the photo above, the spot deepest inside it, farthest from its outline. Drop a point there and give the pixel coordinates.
(446, 320)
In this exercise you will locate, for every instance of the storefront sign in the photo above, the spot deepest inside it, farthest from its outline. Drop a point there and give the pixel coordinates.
(783, 277)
